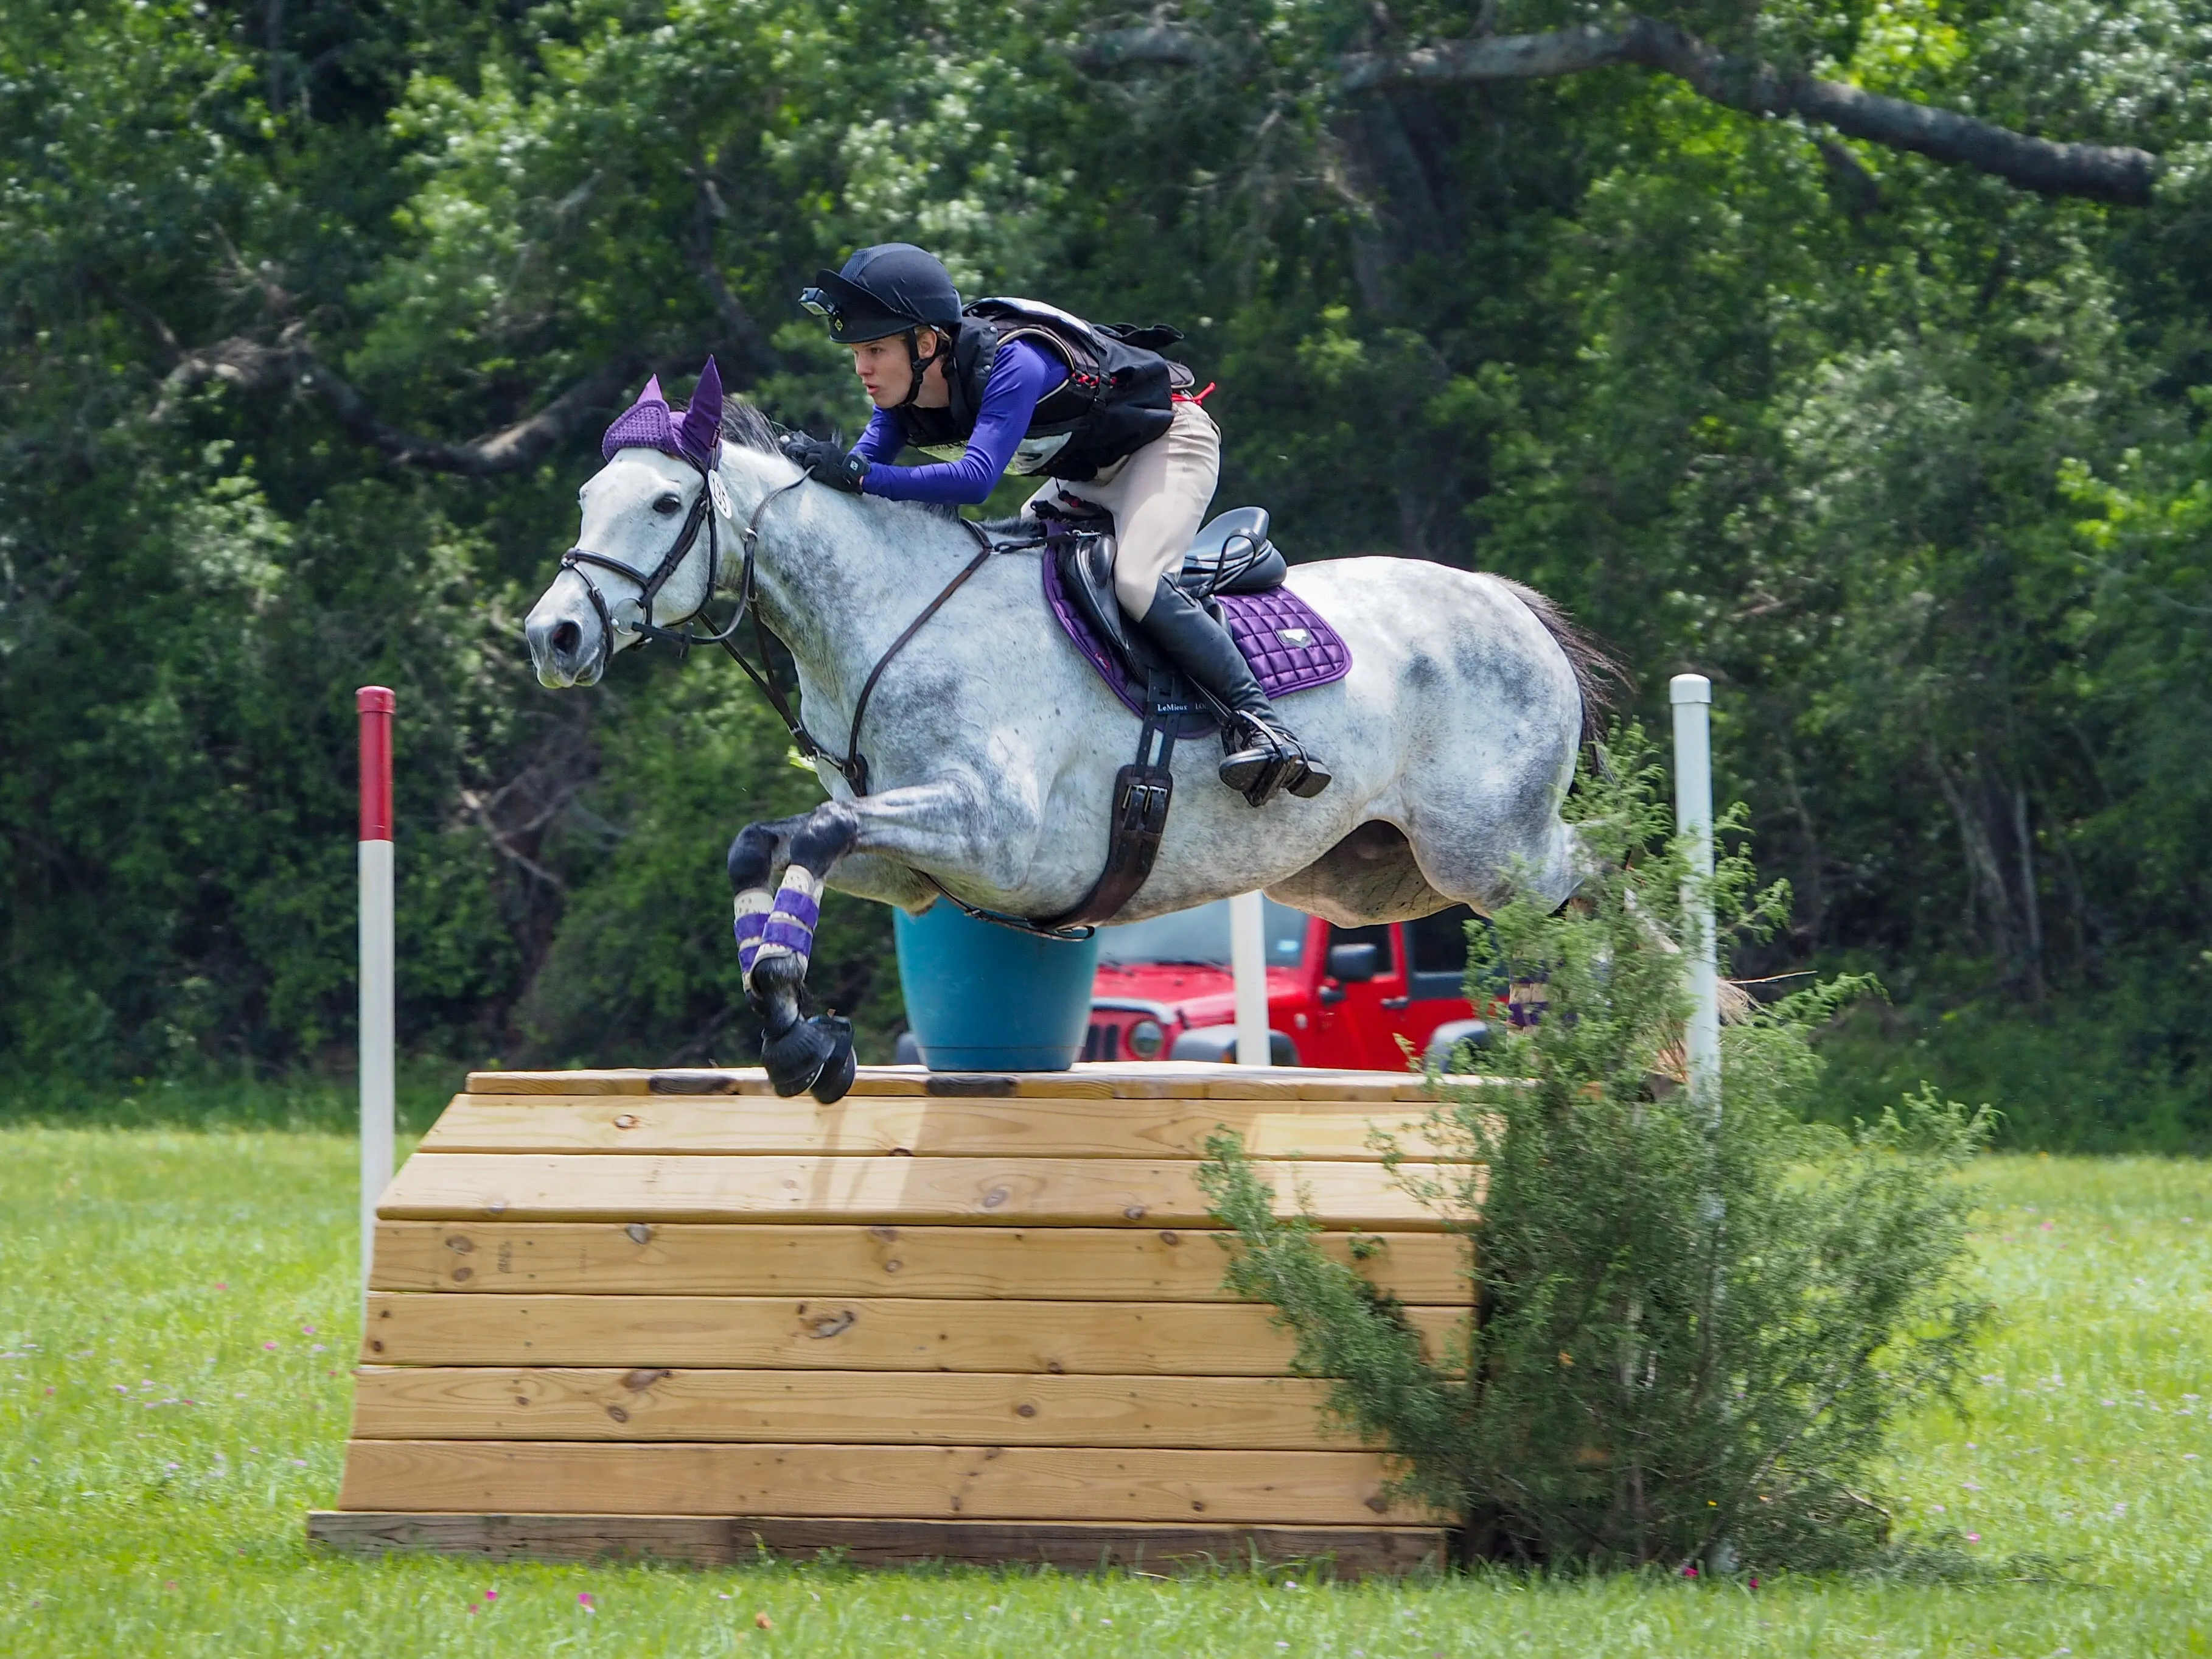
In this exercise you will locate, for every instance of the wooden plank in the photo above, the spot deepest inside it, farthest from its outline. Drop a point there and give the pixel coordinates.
(911, 1408)
(1077, 1264)
(914, 1125)
(1126, 1079)
(981, 1483)
(1100, 1339)
(891, 1191)
(713, 1542)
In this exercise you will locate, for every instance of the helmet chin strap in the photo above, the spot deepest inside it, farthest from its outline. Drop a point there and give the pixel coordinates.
(919, 363)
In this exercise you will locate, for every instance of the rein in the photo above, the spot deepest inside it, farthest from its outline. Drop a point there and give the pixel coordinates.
(635, 616)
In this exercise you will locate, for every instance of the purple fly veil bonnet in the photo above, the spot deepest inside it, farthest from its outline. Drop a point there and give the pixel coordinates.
(649, 424)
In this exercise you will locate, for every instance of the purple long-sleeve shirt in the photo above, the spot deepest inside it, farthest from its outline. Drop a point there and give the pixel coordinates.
(1021, 376)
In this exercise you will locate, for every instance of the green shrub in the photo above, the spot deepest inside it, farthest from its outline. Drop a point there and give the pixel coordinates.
(1695, 1320)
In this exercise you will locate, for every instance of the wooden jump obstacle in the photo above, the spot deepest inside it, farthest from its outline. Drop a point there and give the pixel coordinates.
(967, 1317)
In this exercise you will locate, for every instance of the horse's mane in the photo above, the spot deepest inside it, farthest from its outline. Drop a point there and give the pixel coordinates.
(742, 423)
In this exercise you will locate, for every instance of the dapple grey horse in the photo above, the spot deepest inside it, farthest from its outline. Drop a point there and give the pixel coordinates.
(993, 744)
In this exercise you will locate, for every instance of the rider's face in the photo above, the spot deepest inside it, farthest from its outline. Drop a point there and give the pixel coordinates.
(884, 369)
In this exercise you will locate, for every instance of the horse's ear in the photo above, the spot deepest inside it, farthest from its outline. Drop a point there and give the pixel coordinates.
(702, 428)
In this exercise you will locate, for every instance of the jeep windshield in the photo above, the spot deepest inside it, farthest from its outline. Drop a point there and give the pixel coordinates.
(1200, 936)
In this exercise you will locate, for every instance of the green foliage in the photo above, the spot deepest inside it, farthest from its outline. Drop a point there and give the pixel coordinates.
(1697, 1322)
(1912, 463)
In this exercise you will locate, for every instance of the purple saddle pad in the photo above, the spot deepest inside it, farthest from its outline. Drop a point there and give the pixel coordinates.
(1290, 648)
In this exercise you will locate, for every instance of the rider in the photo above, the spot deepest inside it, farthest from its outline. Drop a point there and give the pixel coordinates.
(1016, 385)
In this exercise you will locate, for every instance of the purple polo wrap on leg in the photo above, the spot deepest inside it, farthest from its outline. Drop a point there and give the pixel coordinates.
(791, 924)
(752, 908)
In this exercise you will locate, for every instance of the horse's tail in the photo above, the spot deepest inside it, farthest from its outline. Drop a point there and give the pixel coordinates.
(1599, 675)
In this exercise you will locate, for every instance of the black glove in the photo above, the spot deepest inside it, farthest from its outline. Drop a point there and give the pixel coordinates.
(827, 462)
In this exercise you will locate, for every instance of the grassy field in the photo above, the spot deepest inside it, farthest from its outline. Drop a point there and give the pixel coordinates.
(176, 1320)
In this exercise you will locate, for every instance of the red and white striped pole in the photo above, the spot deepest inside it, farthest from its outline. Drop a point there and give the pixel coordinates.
(375, 705)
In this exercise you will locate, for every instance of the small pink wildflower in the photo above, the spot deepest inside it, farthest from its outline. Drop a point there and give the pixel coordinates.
(1689, 1572)
(269, 1345)
(1973, 1538)
(584, 1600)
(491, 1595)
(221, 1285)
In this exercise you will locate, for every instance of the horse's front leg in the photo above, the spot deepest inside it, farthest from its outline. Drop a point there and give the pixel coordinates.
(775, 937)
(944, 824)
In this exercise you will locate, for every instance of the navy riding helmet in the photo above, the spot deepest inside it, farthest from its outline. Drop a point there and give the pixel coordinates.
(883, 290)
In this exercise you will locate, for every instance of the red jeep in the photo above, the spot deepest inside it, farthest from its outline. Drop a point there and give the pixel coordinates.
(1336, 996)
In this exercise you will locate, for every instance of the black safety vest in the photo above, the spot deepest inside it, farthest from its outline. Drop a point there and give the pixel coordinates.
(1116, 397)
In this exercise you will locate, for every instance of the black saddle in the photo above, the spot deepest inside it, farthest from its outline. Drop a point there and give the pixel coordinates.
(1231, 554)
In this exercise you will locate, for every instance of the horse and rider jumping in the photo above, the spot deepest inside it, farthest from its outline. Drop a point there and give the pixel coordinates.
(1013, 386)
(993, 746)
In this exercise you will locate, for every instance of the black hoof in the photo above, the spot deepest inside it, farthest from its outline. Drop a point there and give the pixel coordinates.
(839, 1070)
(796, 1058)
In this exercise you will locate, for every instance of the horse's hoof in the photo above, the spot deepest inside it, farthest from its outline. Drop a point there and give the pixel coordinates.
(797, 1058)
(839, 1070)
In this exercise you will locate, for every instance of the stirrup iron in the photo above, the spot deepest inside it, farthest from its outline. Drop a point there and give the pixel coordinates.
(1268, 760)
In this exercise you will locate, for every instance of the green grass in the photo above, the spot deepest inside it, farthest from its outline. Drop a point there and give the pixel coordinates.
(177, 1317)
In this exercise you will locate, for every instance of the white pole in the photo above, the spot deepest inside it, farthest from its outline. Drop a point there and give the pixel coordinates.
(1248, 960)
(1692, 697)
(378, 1035)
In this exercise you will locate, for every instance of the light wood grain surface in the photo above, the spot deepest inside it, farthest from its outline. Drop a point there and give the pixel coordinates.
(1013, 1482)
(1124, 1080)
(1164, 1339)
(880, 1125)
(927, 1408)
(895, 1191)
(1080, 1264)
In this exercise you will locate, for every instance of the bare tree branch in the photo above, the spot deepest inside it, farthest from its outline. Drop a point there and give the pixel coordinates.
(256, 365)
(752, 355)
(1150, 45)
(2109, 172)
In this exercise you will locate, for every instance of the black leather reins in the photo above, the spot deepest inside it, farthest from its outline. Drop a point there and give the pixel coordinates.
(853, 766)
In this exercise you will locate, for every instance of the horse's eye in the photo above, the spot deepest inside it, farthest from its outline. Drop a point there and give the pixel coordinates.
(667, 504)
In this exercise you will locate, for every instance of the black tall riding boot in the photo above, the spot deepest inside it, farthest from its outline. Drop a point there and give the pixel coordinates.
(1259, 755)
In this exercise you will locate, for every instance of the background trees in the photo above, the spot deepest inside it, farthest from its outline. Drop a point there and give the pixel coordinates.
(315, 311)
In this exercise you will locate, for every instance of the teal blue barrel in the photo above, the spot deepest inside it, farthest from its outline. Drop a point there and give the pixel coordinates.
(983, 997)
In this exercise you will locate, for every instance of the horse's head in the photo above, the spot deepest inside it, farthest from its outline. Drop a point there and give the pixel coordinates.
(655, 520)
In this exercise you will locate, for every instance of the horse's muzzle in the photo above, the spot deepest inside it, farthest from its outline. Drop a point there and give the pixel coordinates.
(562, 651)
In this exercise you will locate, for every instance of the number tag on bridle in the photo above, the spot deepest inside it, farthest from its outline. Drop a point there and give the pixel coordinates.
(716, 489)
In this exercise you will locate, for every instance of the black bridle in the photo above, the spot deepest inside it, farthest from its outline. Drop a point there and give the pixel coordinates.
(853, 766)
(635, 616)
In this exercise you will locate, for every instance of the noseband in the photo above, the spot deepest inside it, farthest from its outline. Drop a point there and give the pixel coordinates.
(635, 616)
(637, 613)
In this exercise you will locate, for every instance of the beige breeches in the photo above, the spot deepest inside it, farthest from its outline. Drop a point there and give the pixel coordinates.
(1158, 498)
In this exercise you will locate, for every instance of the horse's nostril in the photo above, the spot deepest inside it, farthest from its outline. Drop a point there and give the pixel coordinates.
(567, 637)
